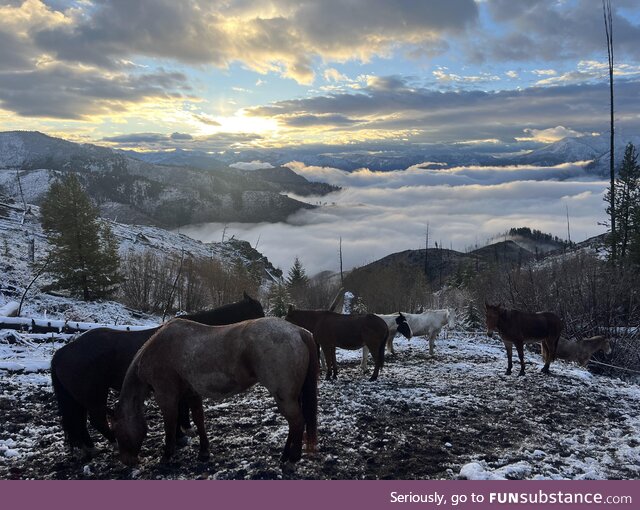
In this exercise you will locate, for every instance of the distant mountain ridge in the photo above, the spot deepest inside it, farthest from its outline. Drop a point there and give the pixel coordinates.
(136, 191)
(566, 150)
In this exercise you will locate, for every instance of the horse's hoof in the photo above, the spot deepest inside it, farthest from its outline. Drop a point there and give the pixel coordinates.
(521, 373)
(508, 372)
(203, 456)
(189, 431)
(182, 441)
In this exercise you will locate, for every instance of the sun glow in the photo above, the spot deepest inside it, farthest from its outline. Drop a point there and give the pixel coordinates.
(240, 122)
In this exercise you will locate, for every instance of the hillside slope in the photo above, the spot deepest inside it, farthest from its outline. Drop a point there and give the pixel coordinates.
(135, 191)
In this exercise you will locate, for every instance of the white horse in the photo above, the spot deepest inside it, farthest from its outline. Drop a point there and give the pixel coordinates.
(397, 323)
(428, 323)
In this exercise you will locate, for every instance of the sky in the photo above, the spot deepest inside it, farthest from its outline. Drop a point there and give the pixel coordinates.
(232, 74)
(373, 75)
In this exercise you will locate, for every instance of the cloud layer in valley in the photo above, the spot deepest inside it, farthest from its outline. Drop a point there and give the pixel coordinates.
(378, 213)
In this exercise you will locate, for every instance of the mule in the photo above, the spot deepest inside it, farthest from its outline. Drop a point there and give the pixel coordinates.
(83, 371)
(331, 330)
(397, 323)
(582, 350)
(517, 328)
(188, 360)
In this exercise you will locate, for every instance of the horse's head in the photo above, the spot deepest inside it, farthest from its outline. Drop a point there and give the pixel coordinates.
(130, 430)
(403, 326)
(493, 316)
(605, 345)
(255, 308)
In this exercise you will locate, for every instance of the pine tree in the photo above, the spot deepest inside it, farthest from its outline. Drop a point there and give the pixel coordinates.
(627, 198)
(298, 283)
(84, 250)
(279, 298)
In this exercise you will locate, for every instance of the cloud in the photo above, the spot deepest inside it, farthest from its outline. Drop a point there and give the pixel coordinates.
(277, 36)
(551, 135)
(67, 92)
(418, 114)
(251, 165)
(380, 213)
(552, 31)
(214, 142)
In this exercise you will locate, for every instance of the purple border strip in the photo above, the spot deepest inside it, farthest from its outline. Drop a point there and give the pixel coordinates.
(319, 494)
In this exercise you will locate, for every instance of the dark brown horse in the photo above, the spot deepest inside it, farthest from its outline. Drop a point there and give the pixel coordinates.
(331, 330)
(519, 328)
(189, 360)
(83, 371)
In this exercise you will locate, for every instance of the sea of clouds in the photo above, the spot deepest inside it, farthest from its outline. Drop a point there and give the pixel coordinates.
(378, 213)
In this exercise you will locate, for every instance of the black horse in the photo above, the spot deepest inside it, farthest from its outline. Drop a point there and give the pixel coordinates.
(83, 371)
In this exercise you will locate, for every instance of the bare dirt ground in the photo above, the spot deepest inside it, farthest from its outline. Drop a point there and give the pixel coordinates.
(424, 418)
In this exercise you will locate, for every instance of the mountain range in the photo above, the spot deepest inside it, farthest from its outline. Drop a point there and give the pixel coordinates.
(570, 149)
(136, 191)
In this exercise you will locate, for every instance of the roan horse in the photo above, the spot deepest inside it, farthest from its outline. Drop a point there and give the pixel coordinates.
(189, 360)
(331, 330)
(83, 371)
(517, 327)
(581, 351)
(397, 323)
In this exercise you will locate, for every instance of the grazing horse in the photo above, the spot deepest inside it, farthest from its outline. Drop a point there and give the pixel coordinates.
(83, 371)
(331, 330)
(582, 350)
(397, 323)
(188, 360)
(517, 327)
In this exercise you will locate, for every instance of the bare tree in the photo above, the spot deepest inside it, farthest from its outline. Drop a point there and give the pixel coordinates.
(608, 27)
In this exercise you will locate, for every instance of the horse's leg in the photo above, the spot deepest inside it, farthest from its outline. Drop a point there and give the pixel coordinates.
(509, 348)
(365, 356)
(549, 350)
(390, 344)
(334, 361)
(98, 418)
(520, 349)
(291, 410)
(167, 399)
(327, 358)
(432, 338)
(197, 412)
(376, 352)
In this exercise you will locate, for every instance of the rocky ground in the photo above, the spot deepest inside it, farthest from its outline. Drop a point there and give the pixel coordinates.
(453, 416)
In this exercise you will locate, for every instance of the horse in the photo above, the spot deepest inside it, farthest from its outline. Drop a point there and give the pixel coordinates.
(582, 350)
(331, 330)
(429, 324)
(83, 371)
(396, 323)
(188, 360)
(517, 327)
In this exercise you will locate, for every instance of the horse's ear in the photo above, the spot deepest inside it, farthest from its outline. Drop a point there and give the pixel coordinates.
(245, 295)
(401, 316)
(291, 309)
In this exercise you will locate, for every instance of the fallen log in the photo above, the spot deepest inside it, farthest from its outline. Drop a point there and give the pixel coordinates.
(60, 326)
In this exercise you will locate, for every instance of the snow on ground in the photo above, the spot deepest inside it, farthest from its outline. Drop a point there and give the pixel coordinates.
(452, 416)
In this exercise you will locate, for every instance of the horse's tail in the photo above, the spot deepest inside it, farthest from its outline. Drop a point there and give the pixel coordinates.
(73, 413)
(309, 396)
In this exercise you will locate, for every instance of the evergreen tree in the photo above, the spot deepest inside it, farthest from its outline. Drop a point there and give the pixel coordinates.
(298, 283)
(84, 250)
(279, 298)
(627, 198)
